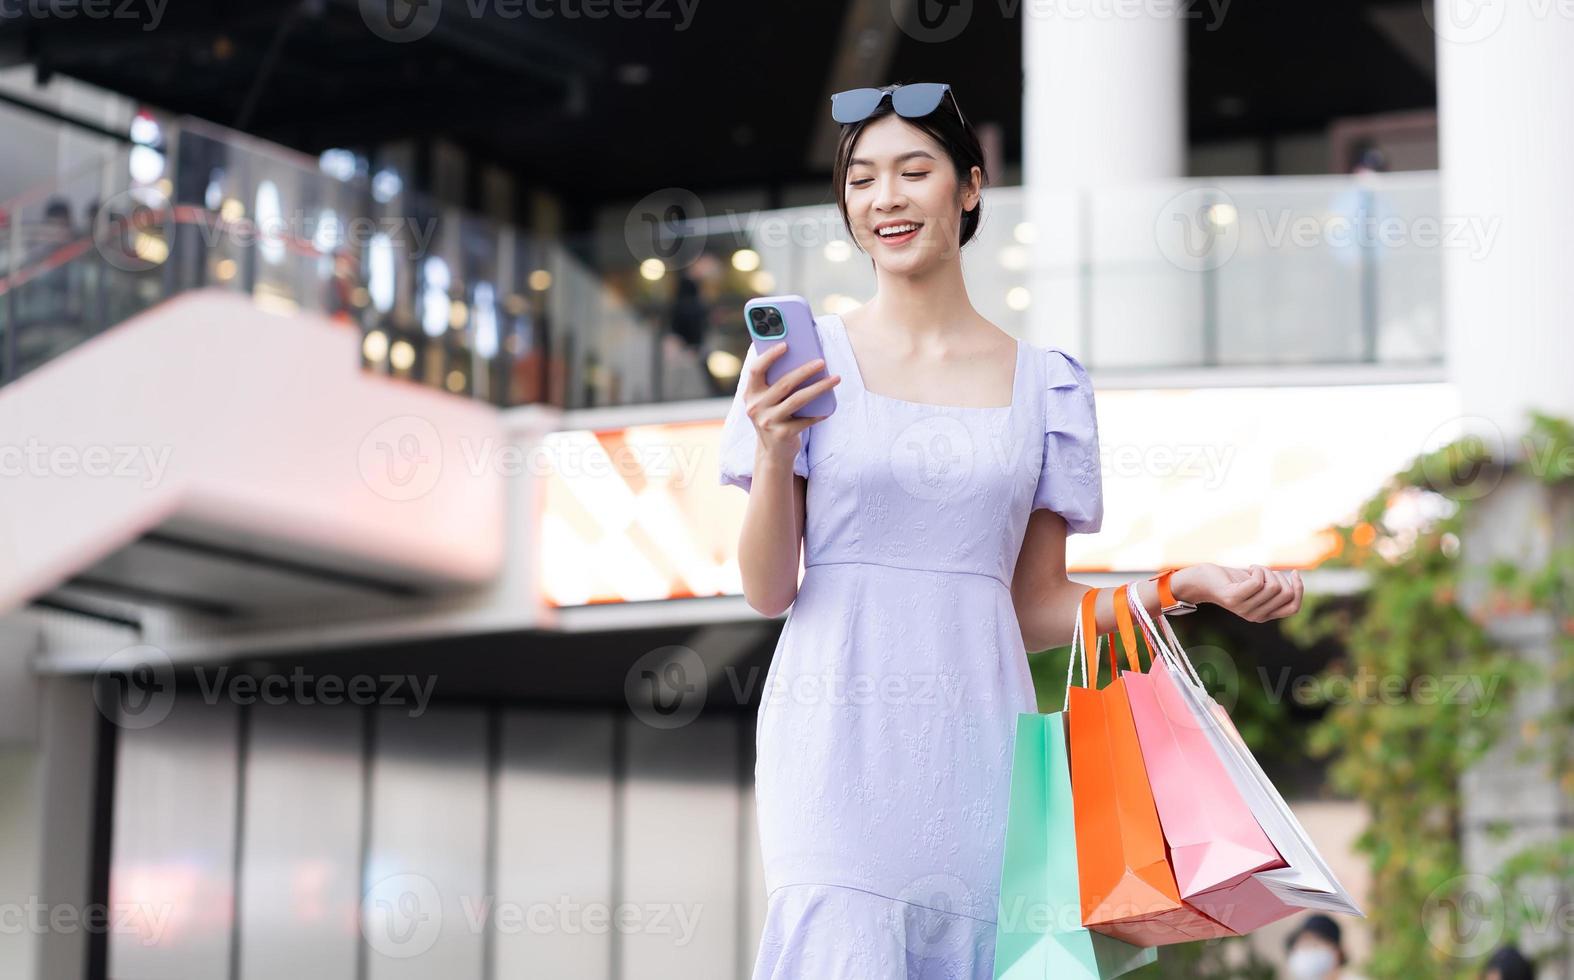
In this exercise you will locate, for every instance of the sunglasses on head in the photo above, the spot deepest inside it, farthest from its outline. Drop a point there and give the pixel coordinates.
(910, 101)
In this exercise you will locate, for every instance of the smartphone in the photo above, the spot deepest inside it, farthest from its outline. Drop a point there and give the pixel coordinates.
(773, 319)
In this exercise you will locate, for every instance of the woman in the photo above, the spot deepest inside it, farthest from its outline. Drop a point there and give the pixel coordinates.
(1508, 963)
(1316, 951)
(933, 505)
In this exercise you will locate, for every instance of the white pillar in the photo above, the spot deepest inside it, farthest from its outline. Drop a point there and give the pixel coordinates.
(1506, 151)
(1506, 143)
(1103, 104)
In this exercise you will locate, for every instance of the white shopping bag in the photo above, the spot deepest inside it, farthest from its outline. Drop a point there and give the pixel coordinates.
(1307, 882)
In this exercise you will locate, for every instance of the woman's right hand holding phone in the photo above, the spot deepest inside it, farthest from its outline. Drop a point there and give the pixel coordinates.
(771, 406)
(770, 542)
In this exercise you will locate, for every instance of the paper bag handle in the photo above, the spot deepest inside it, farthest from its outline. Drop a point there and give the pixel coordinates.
(1124, 598)
(1081, 646)
(1172, 651)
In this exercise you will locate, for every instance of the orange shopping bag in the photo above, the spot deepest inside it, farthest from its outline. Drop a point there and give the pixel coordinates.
(1128, 886)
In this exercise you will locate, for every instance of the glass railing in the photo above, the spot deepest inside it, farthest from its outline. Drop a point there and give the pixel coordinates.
(439, 295)
(1258, 272)
(56, 289)
(1186, 274)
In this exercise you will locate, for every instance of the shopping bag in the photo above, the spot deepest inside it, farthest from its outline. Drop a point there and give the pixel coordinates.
(1039, 933)
(1215, 844)
(1306, 881)
(1128, 887)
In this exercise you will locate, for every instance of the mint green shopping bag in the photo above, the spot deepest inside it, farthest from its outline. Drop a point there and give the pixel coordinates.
(1039, 931)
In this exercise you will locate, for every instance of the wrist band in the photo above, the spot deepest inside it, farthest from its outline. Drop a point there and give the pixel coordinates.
(1168, 604)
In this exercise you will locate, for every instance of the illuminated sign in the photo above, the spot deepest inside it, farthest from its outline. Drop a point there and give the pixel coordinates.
(1238, 476)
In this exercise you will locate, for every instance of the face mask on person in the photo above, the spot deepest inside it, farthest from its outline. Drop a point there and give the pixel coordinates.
(1312, 962)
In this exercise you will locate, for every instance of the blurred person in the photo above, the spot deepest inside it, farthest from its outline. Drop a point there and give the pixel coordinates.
(1368, 159)
(688, 323)
(54, 231)
(1508, 963)
(57, 218)
(1357, 209)
(1316, 951)
(932, 508)
(689, 312)
(51, 237)
(1359, 214)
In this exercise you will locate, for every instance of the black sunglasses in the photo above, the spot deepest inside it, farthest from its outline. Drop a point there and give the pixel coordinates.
(910, 101)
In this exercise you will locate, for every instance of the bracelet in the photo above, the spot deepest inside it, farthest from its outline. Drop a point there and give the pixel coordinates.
(1168, 604)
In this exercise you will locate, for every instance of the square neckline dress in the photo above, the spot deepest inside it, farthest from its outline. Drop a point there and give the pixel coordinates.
(888, 714)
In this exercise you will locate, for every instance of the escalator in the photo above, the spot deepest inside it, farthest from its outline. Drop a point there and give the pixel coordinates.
(185, 421)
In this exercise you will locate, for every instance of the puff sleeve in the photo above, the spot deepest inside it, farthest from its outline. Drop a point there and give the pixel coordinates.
(738, 439)
(1070, 482)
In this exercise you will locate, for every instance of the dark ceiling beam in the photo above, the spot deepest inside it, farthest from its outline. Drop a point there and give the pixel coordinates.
(502, 45)
(99, 41)
(270, 60)
(864, 48)
(381, 117)
(1404, 25)
(62, 117)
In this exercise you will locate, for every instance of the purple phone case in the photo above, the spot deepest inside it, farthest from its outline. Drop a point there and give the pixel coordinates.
(803, 346)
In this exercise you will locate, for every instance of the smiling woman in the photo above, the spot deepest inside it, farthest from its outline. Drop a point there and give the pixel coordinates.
(932, 510)
(958, 149)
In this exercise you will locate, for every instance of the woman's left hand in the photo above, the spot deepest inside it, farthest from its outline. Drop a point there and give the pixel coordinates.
(1256, 594)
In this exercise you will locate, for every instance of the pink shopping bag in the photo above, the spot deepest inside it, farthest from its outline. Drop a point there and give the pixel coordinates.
(1216, 845)
(1306, 881)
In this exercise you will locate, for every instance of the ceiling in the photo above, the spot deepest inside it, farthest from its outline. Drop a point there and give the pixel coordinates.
(724, 95)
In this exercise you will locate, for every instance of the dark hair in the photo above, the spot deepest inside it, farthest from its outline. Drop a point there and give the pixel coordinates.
(1322, 926)
(1366, 154)
(1511, 964)
(946, 126)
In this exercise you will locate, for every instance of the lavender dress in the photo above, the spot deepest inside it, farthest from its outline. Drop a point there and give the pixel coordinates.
(889, 710)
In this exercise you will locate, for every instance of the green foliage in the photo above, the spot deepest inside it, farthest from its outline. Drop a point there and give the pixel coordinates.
(1422, 694)
(1432, 689)
(1261, 718)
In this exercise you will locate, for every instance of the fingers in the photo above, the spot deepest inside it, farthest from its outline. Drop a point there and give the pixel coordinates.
(761, 393)
(1239, 594)
(1279, 595)
(1261, 592)
(797, 425)
(809, 393)
(1264, 594)
(785, 384)
(777, 421)
(756, 379)
(1292, 599)
(780, 400)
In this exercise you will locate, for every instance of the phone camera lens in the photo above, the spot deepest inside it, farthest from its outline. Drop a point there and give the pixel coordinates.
(766, 322)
